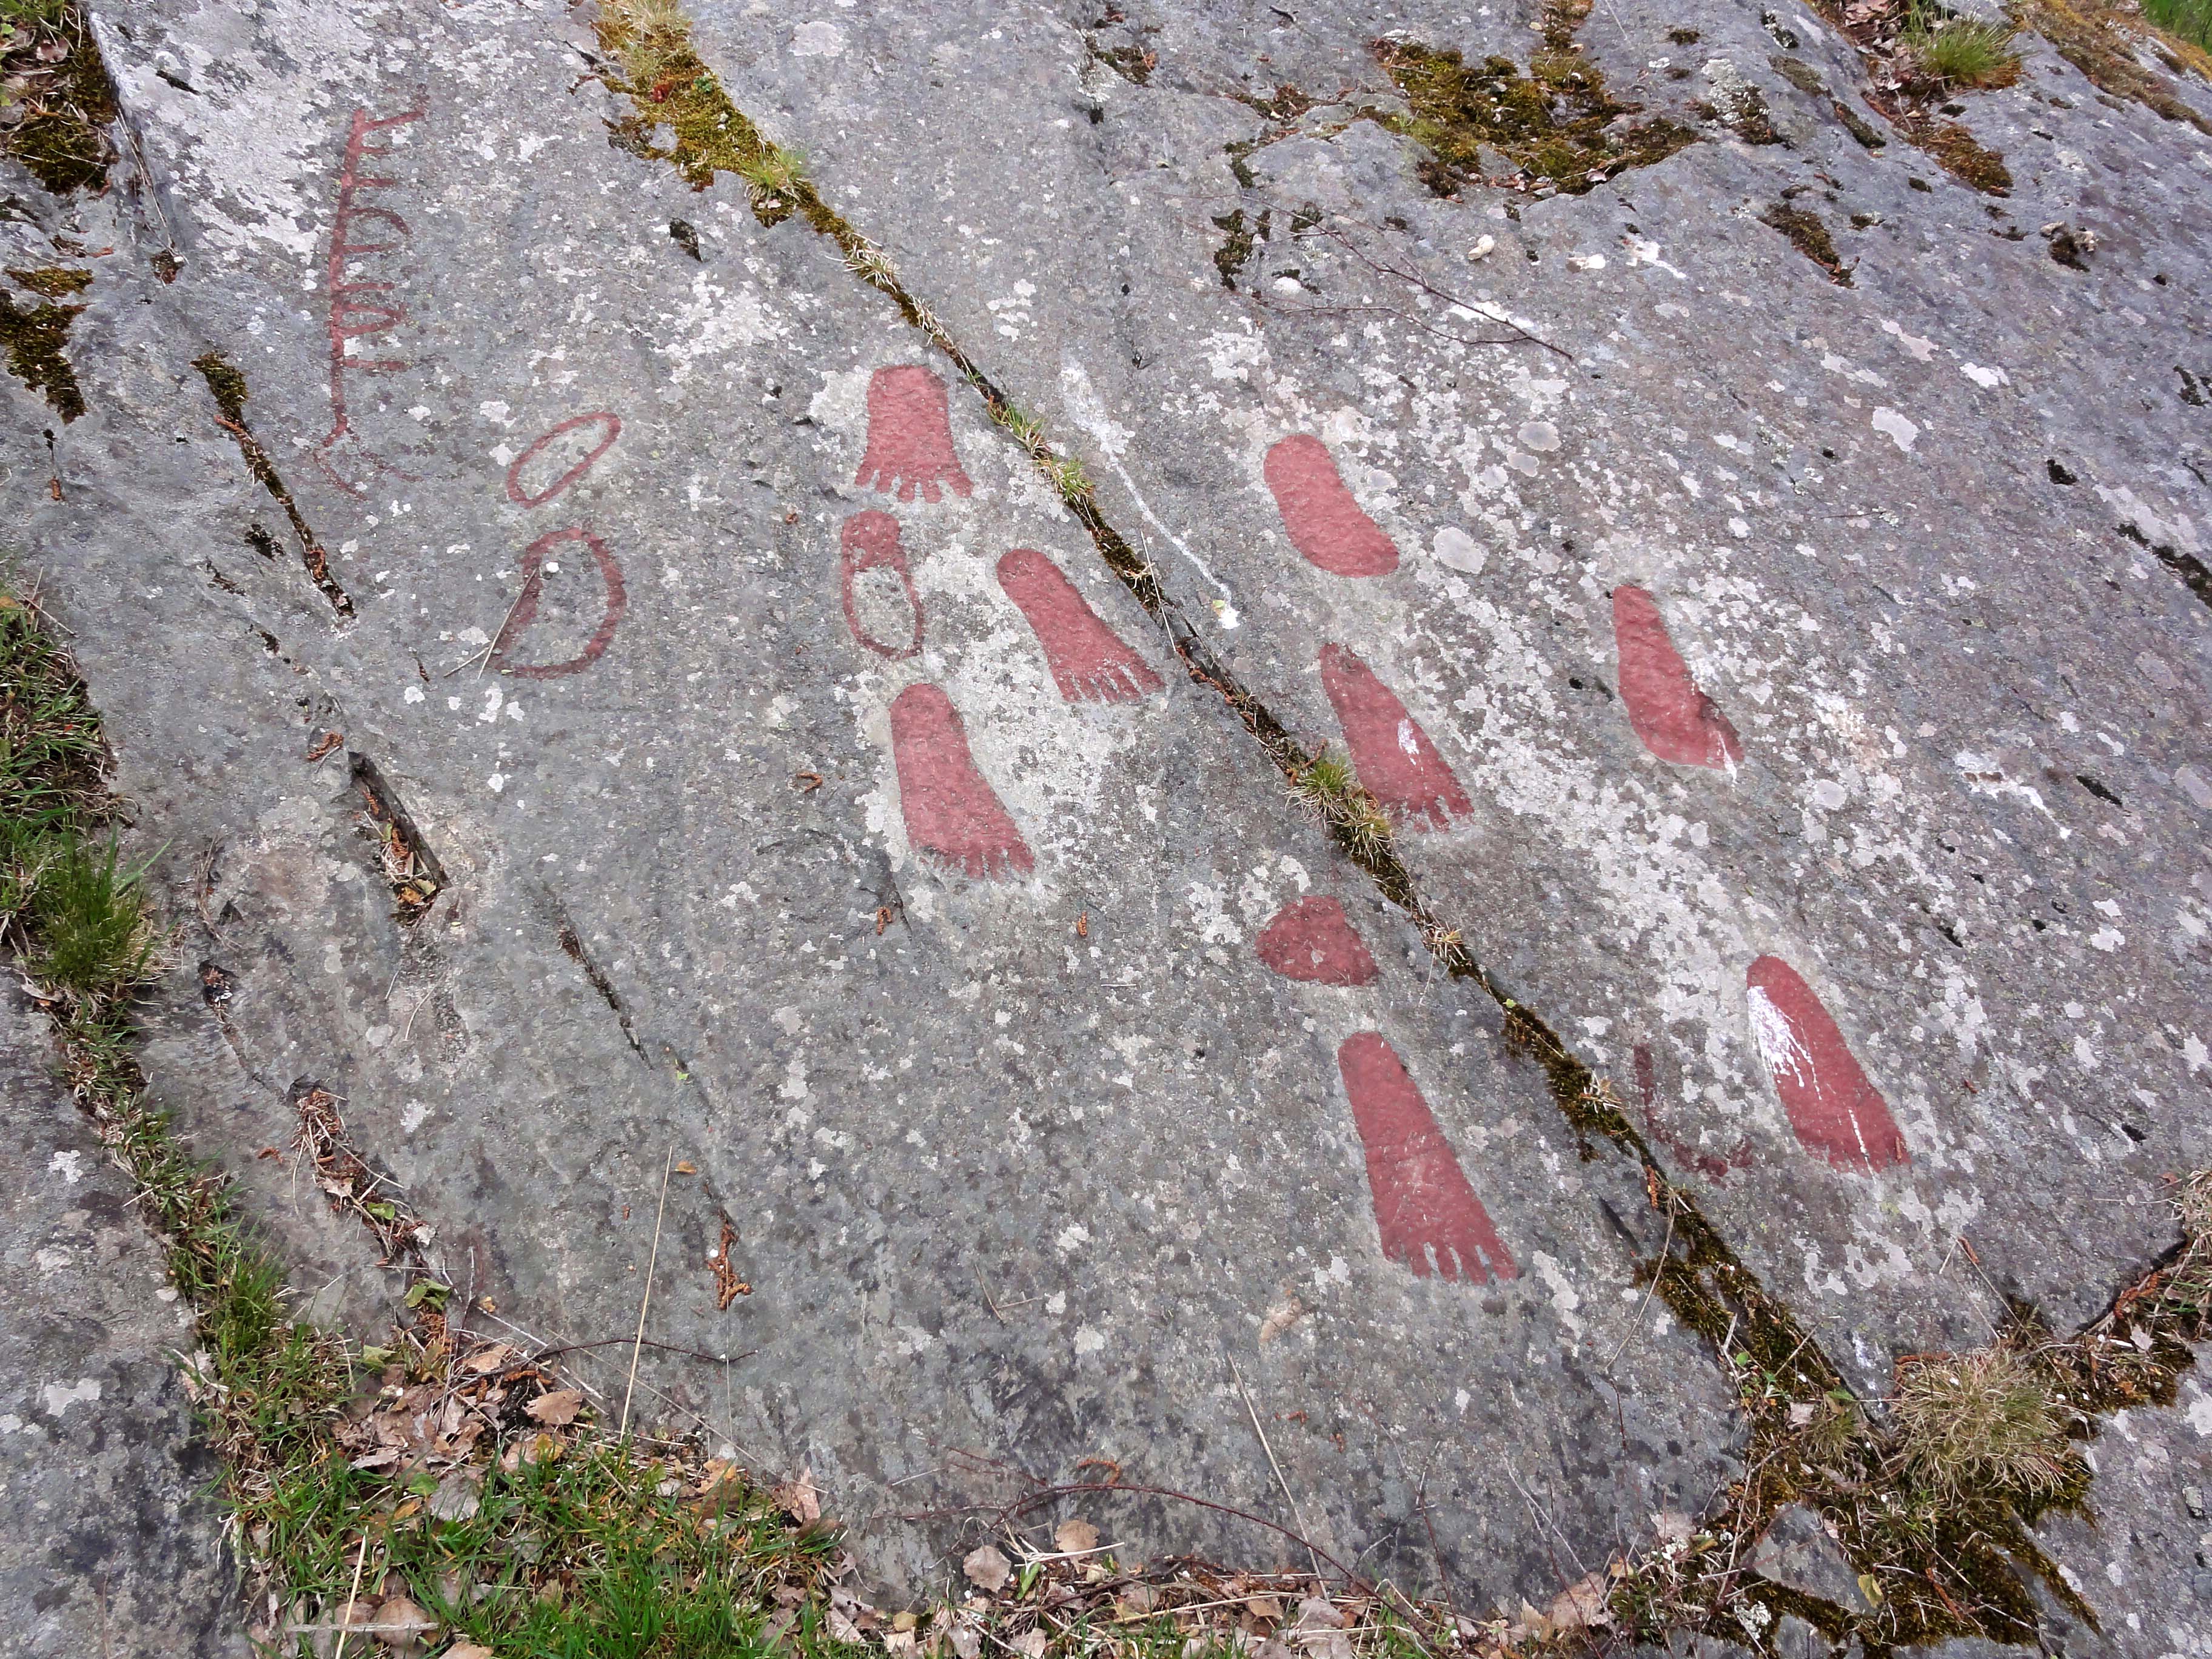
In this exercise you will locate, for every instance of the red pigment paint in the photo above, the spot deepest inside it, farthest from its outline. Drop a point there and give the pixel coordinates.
(1676, 721)
(951, 811)
(1713, 1166)
(351, 317)
(870, 541)
(910, 437)
(609, 424)
(1396, 762)
(1423, 1203)
(525, 607)
(1089, 662)
(1325, 522)
(1833, 1109)
(1310, 940)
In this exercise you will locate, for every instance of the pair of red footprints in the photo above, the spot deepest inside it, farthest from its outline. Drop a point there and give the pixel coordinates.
(1425, 1209)
(1676, 721)
(951, 810)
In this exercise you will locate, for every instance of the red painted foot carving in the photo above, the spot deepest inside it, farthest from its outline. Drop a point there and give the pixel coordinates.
(910, 437)
(870, 541)
(1396, 762)
(1833, 1109)
(950, 811)
(1089, 662)
(1429, 1218)
(1310, 940)
(1676, 721)
(1325, 522)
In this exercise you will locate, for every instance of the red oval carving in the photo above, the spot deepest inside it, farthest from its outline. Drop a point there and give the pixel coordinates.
(1676, 721)
(1312, 940)
(1326, 524)
(1396, 762)
(525, 607)
(870, 541)
(613, 425)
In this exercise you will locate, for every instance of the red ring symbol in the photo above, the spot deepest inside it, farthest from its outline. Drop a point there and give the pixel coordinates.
(613, 425)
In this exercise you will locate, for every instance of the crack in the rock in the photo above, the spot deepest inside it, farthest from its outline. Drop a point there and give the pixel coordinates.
(2192, 570)
(572, 942)
(227, 384)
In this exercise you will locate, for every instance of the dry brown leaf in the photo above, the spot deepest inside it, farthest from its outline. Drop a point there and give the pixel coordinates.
(558, 1409)
(842, 1629)
(987, 1569)
(467, 1651)
(1030, 1643)
(1074, 1536)
(488, 1360)
(1581, 1606)
(798, 1497)
(1265, 1606)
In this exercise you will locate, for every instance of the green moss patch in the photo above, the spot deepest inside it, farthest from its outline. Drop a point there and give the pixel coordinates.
(1550, 123)
(68, 102)
(1809, 237)
(53, 282)
(33, 338)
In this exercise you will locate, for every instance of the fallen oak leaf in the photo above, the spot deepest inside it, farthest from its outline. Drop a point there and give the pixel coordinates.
(987, 1569)
(557, 1409)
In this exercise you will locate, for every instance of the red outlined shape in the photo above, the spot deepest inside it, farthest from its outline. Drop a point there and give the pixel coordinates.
(351, 316)
(1423, 1206)
(1396, 762)
(613, 425)
(950, 811)
(910, 436)
(870, 541)
(1325, 523)
(1713, 1166)
(1089, 661)
(525, 607)
(1310, 940)
(1676, 721)
(1835, 1110)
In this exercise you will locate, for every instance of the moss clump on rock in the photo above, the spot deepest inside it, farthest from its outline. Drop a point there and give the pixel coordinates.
(33, 338)
(1555, 122)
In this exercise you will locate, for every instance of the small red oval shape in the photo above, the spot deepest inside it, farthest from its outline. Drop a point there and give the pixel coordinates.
(613, 425)
(870, 541)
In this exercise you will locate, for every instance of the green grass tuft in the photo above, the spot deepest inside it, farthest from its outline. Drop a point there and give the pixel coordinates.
(2188, 20)
(1984, 1421)
(92, 937)
(1960, 51)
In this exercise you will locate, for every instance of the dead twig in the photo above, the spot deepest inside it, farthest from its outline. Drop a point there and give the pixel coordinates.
(652, 1261)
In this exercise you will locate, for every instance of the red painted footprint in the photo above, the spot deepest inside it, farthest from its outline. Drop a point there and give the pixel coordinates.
(1676, 721)
(1089, 662)
(1310, 940)
(950, 811)
(1326, 524)
(1429, 1215)
(1833, 1109)
(1396, 762)
(910, 437)
(870, 541)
